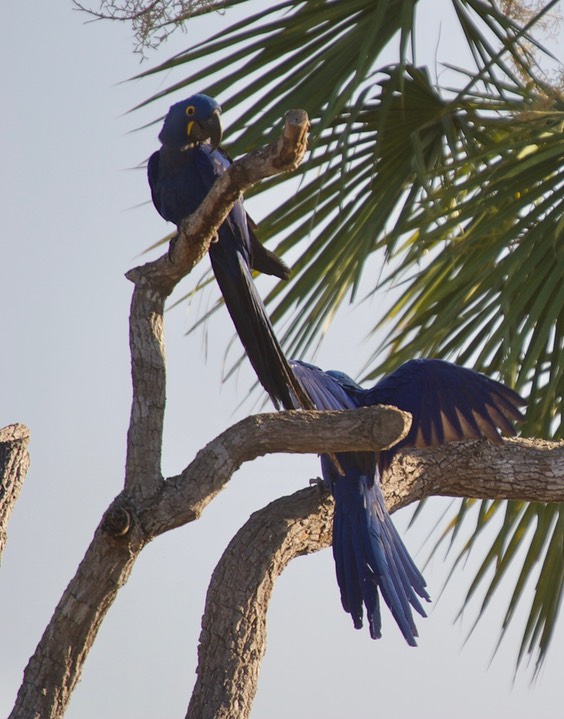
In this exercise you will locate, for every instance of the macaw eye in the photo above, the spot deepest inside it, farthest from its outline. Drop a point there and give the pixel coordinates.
(190, 110)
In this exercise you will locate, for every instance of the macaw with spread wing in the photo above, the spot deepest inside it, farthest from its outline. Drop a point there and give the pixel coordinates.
(447, 403)
(180, 175)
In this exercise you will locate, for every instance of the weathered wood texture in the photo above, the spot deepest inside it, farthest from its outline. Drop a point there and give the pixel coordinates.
(14, 463)
(233, 637)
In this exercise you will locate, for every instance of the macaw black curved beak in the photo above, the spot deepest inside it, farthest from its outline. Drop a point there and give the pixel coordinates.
(214, 129)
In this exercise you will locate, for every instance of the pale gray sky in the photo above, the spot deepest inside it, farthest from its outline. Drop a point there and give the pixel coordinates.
(72, 224)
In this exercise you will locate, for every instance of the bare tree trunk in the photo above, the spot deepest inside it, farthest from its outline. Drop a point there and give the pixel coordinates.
(14, 463)
(233, 638)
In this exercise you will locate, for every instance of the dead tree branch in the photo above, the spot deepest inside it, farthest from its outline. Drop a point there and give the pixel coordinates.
(14, 463)
(233, 637)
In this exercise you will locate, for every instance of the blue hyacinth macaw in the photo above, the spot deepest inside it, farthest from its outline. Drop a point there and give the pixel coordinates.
(180, 175)
(447, 403)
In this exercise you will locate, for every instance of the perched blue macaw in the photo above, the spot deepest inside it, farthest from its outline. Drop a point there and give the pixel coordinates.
(180, 175)
(447, 403)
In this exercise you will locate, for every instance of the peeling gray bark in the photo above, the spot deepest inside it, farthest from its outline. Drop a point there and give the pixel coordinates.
(185, 496)
(14, 463)
(233, 637)
(530, 470)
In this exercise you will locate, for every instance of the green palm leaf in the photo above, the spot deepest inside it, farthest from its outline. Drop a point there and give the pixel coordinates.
(494, 296)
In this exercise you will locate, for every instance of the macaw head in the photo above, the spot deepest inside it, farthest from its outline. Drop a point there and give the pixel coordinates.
(196, 119)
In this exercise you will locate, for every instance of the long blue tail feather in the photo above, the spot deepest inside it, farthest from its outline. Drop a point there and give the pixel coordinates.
(369, 554)
(253, 324)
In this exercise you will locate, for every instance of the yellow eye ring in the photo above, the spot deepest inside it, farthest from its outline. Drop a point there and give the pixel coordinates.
(190, 110)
